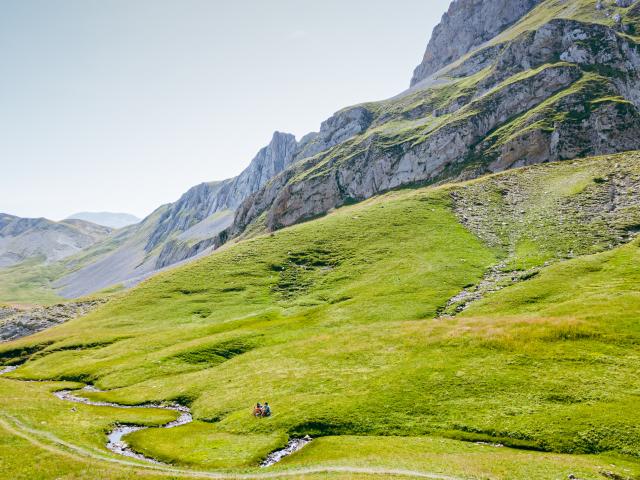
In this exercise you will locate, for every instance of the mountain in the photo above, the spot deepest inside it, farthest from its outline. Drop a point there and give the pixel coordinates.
(22, 239)
(107, 219)
(466, 26)
(174, 232)
(444, 284)
(525, 82)
(501, 85)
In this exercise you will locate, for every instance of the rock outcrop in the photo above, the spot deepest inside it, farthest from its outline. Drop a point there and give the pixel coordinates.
(342, 126)
(465, 26)
(17, 323)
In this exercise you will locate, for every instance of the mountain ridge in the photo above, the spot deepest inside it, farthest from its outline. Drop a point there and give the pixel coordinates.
(22, 239)
(554, 87)
(106, 219)
(466, 25)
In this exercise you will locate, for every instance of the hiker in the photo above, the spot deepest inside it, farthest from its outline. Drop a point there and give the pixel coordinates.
(266, 411)
(258, 412)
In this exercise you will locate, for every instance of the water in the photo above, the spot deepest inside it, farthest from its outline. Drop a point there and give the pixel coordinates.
(115, 442)
(117, 445)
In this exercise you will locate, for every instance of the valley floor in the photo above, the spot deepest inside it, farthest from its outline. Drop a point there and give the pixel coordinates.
(69, 445)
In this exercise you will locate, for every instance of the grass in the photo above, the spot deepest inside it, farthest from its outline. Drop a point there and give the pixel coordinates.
(336, 322)
(200, 445)
(557, 211)
(333, 322)
(449, 457)
(29, 282)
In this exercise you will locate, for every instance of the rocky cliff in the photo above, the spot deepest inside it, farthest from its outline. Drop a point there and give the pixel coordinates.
(465, 26)
(204, 200)
(551, 87)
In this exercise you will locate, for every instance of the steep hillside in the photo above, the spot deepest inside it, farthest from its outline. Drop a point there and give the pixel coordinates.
(560, 82)
(502, 85)
(28, 238)
(342, 323)
(107, 219)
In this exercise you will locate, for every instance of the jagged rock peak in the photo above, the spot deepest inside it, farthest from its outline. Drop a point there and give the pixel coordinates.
(466, 25)
(206, 199)
(269, 161)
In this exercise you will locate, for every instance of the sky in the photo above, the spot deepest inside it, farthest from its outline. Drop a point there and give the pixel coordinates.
(123, 105)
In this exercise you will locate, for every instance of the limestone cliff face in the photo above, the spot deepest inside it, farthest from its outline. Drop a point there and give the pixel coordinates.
(563, 90)
(340, 127)
(206, 199)
(465, 26)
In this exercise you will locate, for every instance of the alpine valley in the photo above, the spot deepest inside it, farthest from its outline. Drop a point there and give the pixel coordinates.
(441, 285)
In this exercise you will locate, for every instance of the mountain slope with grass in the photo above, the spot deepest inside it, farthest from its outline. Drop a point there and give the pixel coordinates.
(442, 285)
(523, 83)
(340, 324)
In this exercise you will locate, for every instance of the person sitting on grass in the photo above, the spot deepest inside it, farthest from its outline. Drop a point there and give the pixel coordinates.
(266, 411)
(258, 411)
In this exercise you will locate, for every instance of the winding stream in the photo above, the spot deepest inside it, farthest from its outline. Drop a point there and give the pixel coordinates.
(292, 447)
(115, 442)
(117, 445)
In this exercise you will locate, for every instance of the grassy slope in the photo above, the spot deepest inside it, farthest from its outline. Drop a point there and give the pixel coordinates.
(332, 322)
(557, 211)
(576, 324)
(399, 121)
(29, 282)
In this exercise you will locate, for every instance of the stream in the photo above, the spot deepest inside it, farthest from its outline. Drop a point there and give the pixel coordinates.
(116, 443)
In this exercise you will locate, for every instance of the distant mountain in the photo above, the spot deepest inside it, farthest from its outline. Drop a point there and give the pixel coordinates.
(26, 238)
(175, 232)
(107, 219)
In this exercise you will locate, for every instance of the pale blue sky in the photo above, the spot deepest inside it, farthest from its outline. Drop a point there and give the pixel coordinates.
(122, 105)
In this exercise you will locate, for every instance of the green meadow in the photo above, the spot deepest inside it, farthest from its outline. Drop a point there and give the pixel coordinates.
(340, 324)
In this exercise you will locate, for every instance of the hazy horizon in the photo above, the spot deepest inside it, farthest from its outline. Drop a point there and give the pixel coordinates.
(119, 106)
